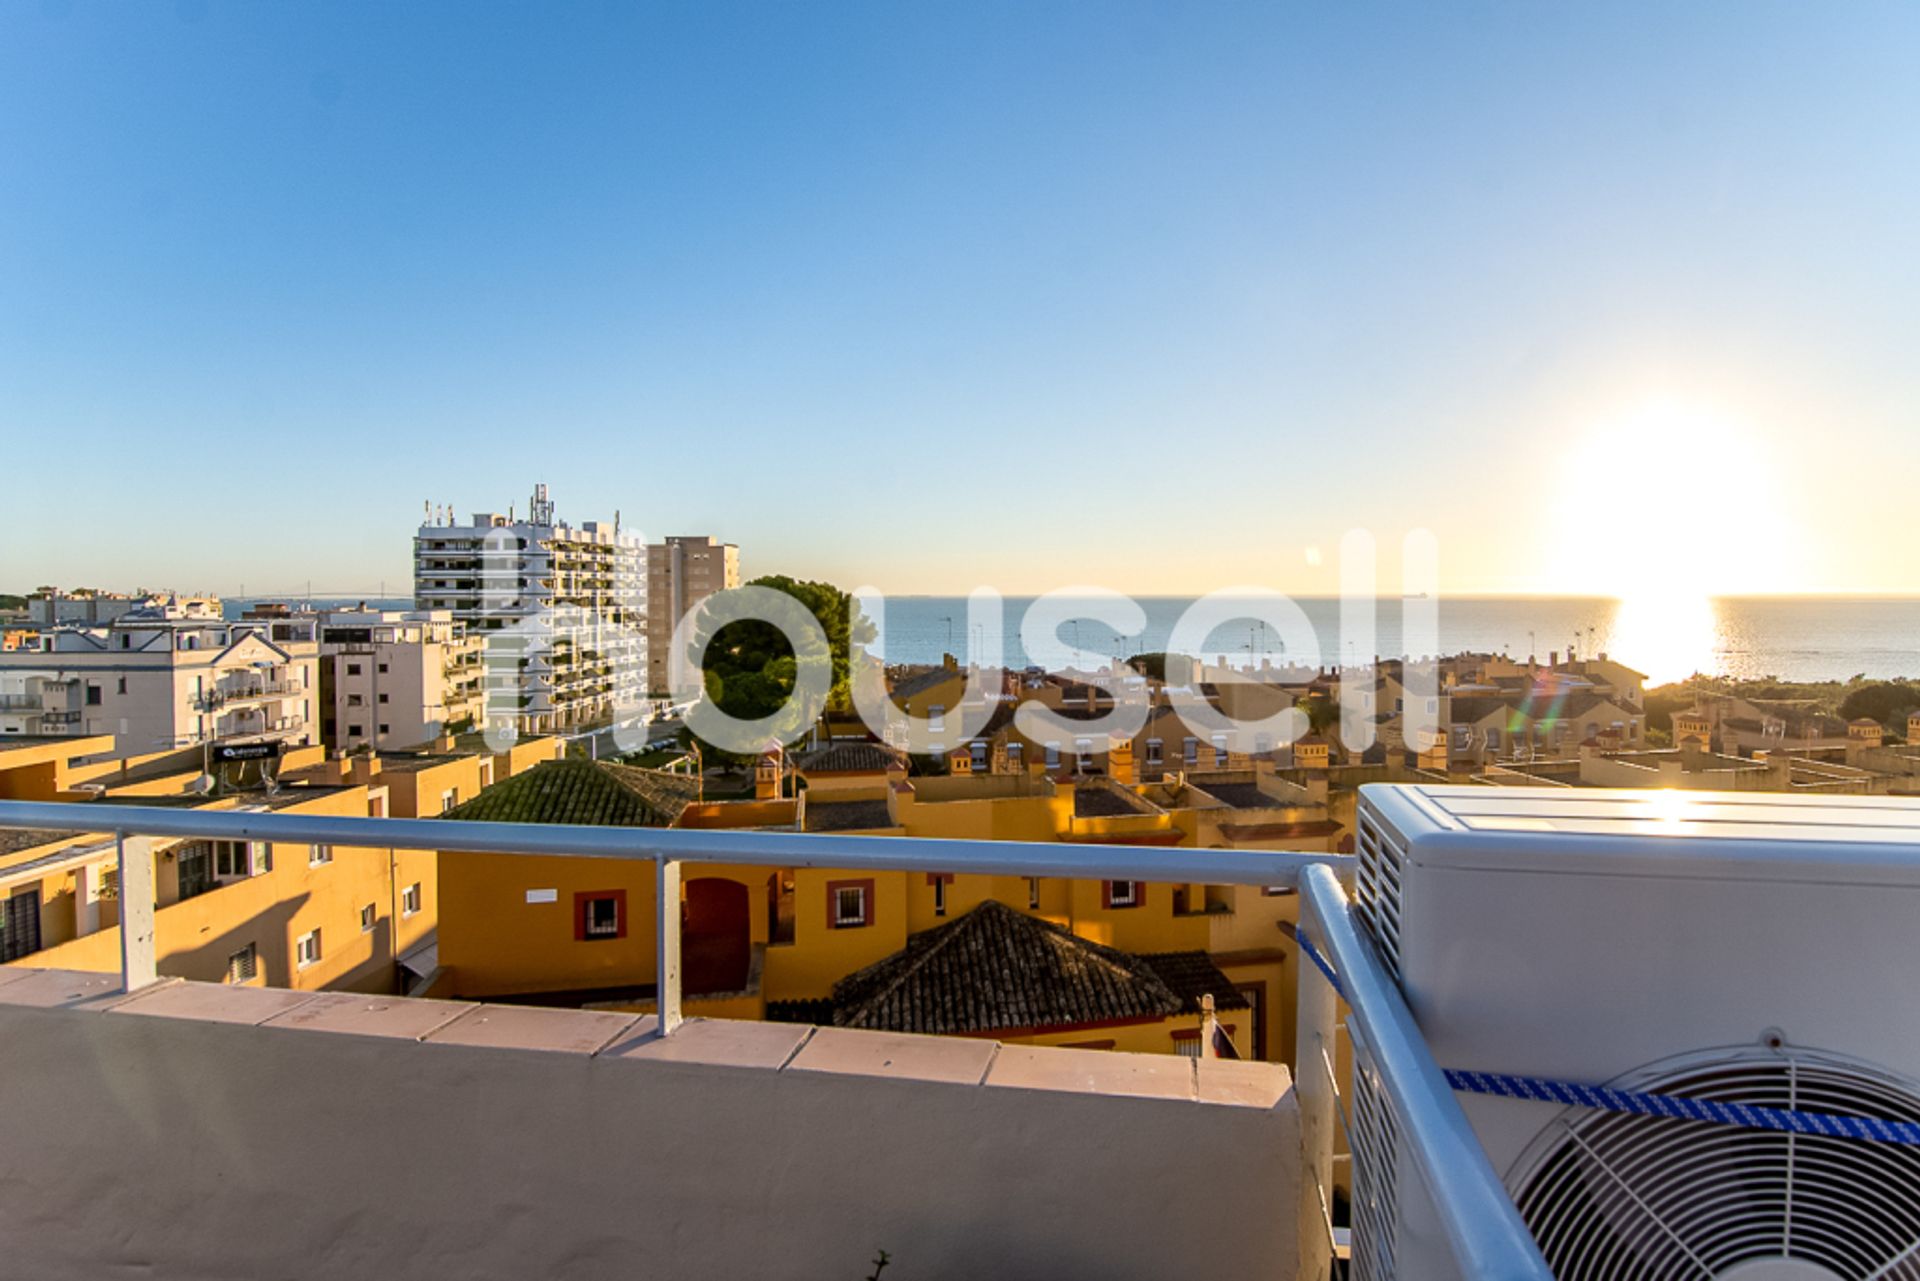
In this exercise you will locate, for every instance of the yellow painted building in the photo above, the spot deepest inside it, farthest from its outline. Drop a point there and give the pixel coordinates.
(258, 913)
(761, 942)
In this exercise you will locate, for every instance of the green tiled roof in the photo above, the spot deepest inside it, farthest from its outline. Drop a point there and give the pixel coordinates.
(587, 793)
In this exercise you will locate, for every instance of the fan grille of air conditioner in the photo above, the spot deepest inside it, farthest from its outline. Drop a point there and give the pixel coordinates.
(1633, 1198)
(1382, 859)
(1375, 1140)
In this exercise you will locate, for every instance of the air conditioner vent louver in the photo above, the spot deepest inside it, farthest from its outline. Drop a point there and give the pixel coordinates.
(1382, 860)
(1376, 1148)
(1632, 1198)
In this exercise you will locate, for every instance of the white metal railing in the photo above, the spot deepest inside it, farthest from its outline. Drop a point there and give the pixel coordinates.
(1489, 1240)
(1485, 1231)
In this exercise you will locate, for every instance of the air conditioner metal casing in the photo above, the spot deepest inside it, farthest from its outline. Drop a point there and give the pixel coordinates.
(1586, 935)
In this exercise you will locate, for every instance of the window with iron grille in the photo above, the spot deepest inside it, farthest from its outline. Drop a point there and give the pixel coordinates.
(1122, 893)
(20, 925)
(601, 916)
(243, 965)
(849, 904)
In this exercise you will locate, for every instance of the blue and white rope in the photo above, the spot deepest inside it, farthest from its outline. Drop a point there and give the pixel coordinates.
(1641, 1103)
(1681, 1107)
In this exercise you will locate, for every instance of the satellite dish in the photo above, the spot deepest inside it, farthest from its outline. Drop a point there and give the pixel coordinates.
(201, 786)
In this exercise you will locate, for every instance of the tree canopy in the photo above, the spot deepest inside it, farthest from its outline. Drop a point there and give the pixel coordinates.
(1888, 702)
(749, 667)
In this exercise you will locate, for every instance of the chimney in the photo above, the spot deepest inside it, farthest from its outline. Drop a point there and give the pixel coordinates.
(1120, 761)
(766, 776)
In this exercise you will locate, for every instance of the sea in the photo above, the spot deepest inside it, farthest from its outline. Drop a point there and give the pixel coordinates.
(1803, 638)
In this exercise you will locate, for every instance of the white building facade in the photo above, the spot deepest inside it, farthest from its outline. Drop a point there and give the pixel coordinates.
(157, 678)
(561, 612)
(391, 679)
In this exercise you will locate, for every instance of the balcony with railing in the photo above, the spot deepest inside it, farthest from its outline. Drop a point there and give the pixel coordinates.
(248, 691)
(425, 1137)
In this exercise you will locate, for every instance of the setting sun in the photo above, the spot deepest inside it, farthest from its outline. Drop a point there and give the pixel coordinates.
(1699, 508)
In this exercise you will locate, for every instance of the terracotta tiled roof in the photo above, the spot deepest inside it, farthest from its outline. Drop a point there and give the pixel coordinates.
(1192, 975)
(595, 793)
(996, 968)
(847, 816)
(848, 758)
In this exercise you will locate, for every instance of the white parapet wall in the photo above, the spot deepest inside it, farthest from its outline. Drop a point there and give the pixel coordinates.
(200, 1131)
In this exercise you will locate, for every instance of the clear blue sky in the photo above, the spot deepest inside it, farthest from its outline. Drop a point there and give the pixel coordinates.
(1153, 298)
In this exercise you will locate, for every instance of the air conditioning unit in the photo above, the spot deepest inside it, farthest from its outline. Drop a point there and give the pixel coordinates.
(1745, 948)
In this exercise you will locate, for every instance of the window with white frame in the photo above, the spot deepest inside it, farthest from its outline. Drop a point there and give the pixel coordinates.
(317, 855)
(1153, 751)
(1053, 756)
(936, 719)
(410, 900)
(306, 950)
(449, 799)
(979, 753)
(369, 915)
(236, 860)
(1124, 893)
(1083, 754)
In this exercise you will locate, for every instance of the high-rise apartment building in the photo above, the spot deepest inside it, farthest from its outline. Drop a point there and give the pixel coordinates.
(560, 609)
(681, 572)
(391, 679)
(167, 676)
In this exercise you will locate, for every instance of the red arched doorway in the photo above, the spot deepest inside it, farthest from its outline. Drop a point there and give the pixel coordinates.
(715, 936)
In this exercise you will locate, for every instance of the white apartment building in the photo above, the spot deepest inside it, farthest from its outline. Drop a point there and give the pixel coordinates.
(681, 572)
(84, 607)
(391, 679)
(560, 610)
(164, 676)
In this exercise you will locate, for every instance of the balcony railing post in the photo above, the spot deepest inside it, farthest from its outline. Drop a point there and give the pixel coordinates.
(138, 967)
(666, 882)
(1316, 1056)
